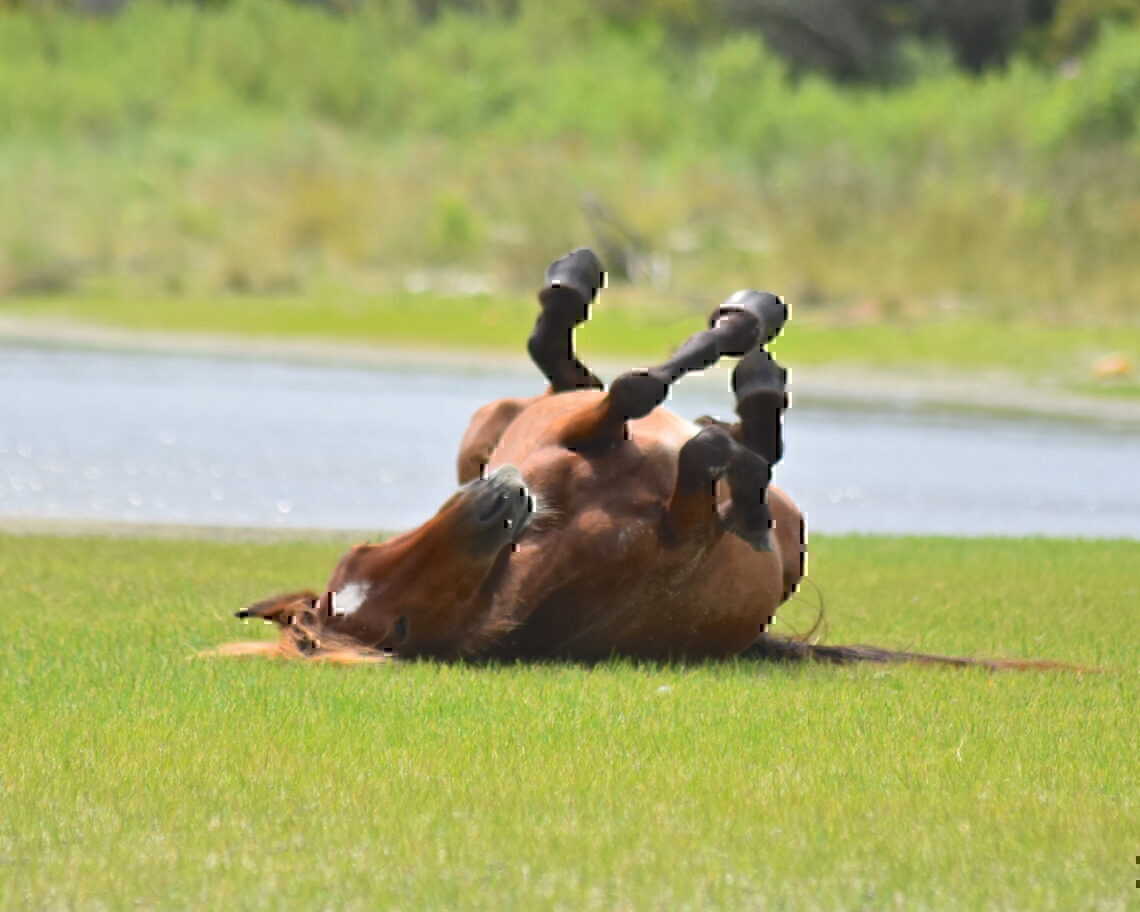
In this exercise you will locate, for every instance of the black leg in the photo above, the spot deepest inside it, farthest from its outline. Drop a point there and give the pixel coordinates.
(746, 452)
(572, 283)
(692, 508)
(692, 511)
(745, 321)
(760, 385)
(748, 515)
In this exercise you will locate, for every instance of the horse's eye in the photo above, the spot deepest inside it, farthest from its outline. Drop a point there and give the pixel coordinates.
(401, 629)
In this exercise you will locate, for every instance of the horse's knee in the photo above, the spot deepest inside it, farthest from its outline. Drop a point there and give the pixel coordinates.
(758, 372)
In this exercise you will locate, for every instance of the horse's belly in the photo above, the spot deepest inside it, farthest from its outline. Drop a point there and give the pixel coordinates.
(717, 609)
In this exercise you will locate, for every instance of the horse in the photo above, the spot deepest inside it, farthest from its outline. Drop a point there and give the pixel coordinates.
(591, 522)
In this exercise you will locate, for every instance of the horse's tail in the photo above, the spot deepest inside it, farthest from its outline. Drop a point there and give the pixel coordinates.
(790, 649)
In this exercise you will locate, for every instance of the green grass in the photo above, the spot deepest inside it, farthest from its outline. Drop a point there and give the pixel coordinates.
(168, 149)
(132, 773)
(626, 323)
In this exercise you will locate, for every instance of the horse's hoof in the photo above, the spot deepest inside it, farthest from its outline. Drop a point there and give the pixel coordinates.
(572, 283)
(755, 527)
(769, 310)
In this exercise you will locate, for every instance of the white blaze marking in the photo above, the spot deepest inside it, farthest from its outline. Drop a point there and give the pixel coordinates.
(350, 597)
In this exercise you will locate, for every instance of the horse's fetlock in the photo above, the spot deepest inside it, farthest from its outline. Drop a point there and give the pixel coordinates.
(636, 393)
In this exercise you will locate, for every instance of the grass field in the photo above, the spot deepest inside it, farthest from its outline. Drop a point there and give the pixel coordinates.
(133, 774)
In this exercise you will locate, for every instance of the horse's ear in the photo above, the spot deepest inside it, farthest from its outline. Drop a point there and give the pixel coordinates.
(287, 610)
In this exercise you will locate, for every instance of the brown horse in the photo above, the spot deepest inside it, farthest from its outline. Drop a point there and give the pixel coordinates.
(589, 523)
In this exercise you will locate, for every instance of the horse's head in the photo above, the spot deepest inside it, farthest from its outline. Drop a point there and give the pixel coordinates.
(418, 593)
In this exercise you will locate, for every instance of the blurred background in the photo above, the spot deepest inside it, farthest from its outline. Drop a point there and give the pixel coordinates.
(886, 159)
(947, 192)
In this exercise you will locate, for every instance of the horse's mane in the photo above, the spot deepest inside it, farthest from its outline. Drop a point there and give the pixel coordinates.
(303, 640)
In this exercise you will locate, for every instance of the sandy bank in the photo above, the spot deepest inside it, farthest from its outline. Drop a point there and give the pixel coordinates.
(849, 385)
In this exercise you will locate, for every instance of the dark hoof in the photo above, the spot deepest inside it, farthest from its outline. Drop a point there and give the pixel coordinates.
(755, 527)
(572, 282)
(769, 310)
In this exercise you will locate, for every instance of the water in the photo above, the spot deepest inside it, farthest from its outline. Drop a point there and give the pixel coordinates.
(147, 438)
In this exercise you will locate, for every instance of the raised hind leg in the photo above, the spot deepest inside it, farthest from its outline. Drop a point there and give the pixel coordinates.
(744, 321)
(742, 454)
(760, 388)
(572, 283)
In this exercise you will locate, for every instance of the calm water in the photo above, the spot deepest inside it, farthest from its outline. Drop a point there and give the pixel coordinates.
(107, 436)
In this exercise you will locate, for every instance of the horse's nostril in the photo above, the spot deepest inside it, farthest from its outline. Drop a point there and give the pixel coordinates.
(400, 631)
(499, 505)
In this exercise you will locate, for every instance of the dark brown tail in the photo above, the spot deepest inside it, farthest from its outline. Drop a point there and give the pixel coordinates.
(787, 649)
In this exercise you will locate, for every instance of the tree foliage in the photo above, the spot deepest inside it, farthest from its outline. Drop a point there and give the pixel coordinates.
(847, 40)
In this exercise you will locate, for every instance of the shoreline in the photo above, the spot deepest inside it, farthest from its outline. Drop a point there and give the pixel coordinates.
(152, 531)
(22, 527)
(843, 386)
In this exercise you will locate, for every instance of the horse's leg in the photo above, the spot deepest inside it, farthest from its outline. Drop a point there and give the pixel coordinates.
(744, 321)
(572, 283)
(692, 510)
(708, 456)
(484, 433)
(748, 515)
(744, 453)
(760, 388)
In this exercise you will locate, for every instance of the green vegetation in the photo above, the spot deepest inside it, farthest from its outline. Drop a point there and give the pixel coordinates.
(133, 773)
(173, 151)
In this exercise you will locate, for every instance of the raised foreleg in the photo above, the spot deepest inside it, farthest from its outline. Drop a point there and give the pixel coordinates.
(760, 388)
(572, 283)
(741, 454)
(693, 508)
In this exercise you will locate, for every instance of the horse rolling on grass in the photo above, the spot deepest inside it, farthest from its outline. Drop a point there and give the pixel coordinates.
(591, 523)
